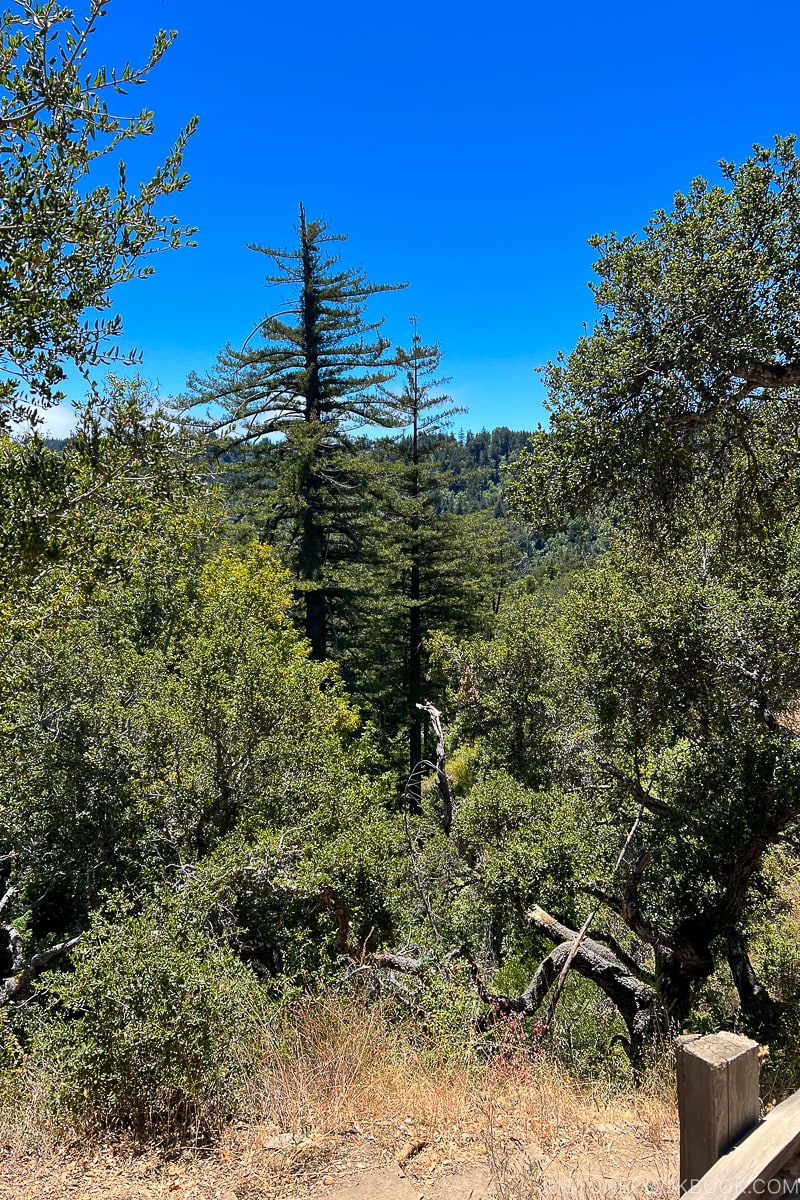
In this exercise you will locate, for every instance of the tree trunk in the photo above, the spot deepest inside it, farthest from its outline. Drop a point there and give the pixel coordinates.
(442, 778)
(415, 617)
(313, 551)
(313, 555)
(316, 624)
(637, 1003)
(17, 987)
(675, 984)
(758, 1007)
(415, 692)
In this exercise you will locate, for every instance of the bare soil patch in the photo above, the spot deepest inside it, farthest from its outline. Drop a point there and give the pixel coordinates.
(495, 1149)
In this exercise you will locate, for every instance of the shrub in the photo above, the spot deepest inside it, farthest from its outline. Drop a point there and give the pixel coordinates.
(156, 1028)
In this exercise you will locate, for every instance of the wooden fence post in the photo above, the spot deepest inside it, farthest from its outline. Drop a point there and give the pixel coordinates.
(718, 1100)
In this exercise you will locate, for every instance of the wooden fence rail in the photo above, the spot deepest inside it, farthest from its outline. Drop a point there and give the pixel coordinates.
(726, 1149)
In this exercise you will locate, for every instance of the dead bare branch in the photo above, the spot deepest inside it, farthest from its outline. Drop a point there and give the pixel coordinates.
(17, 987)
(440, 765)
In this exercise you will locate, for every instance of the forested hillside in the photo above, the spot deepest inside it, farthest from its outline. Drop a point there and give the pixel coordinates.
(305, 692)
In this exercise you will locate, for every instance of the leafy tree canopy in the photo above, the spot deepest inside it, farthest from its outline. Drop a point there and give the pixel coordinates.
(69, 231)
(657, 698)
(659, 694)
(681, 402)
(157, 707)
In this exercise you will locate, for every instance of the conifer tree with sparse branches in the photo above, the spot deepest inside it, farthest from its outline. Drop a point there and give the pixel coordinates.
(422, 407)
(422, 570)
(286, 407)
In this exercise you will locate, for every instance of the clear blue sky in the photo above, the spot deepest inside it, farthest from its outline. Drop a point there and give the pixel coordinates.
(468, 150)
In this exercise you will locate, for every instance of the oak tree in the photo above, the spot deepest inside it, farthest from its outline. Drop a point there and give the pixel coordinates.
(70, 225)
(680, 405)
(662, 708)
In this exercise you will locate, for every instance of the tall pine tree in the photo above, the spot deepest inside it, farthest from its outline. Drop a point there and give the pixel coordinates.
(423, 410)
(423, 569)
(286, 407)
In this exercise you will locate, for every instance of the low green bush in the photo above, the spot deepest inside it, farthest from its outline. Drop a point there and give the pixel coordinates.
(155, 1030)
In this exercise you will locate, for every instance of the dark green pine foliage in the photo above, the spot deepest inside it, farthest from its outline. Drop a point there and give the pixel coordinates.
(475, 463)
(291, 399)
(423, 569)
(420, 485)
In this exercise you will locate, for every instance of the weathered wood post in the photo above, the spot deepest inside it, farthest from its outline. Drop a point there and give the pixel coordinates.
(718, 1100)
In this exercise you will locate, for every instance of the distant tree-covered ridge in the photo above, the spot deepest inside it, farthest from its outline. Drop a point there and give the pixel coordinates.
(474, 463)
(471, 479)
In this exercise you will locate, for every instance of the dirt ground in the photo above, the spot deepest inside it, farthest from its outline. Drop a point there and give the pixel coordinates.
(593, 1160)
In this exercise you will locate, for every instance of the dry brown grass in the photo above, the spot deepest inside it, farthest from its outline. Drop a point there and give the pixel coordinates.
(339, 1071)
(347, 1093)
